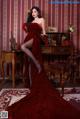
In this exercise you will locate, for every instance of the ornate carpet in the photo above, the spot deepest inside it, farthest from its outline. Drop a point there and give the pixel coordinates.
(72, 95)
(10, 96)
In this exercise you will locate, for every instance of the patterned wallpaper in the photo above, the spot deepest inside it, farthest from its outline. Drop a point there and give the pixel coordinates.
(13, 14)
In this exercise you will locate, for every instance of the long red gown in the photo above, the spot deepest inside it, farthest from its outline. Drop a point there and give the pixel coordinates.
(44, 102)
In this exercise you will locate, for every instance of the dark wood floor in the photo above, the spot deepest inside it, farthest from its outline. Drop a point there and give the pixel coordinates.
(7, 83)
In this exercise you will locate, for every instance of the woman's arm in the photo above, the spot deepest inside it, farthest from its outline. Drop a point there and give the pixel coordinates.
(25, 47)
(44, 35)
(43, 26)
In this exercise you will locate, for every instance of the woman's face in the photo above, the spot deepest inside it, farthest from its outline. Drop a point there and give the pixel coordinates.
(34, 13)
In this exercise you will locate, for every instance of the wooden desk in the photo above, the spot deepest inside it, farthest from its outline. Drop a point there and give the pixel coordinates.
(9, 57)
(55, 60)
(55, 38)
(57, 50)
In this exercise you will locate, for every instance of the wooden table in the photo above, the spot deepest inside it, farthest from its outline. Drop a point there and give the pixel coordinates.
(9, 57)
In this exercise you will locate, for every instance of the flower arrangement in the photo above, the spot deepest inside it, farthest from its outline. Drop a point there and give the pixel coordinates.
(71, 28)
(66, 39)
(66, 36)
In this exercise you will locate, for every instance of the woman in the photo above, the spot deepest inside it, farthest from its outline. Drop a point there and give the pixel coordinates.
(43, 102)
(38, 28)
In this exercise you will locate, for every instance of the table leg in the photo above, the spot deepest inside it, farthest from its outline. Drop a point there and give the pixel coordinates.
(13, 70)
(2, 72)
(62, 83)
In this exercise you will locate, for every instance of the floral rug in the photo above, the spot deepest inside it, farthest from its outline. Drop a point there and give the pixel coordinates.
(10, 96)
(72, 95)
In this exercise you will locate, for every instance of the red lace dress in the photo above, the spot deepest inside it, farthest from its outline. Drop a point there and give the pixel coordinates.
(44, 102)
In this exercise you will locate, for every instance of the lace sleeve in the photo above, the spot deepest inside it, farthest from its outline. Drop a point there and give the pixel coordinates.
(24, 27)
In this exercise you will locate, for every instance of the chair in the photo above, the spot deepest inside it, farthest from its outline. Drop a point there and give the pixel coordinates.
(64, 69)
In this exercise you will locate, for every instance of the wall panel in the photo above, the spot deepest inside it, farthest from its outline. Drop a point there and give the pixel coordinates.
(14, 12)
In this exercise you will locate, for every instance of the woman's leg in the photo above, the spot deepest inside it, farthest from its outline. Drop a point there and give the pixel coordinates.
(30, 79)
(25, 47)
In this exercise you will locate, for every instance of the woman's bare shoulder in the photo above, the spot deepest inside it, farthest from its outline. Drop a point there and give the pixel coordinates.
(42, 19)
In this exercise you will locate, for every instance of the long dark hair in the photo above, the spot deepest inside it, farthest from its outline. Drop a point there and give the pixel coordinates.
(30, 17)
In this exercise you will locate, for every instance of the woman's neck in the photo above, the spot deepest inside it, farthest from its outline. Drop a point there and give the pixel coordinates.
(36, 18)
